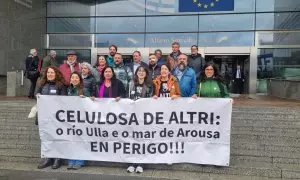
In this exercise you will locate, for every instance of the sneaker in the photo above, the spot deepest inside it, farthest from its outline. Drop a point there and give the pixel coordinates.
(130, 169)
(139, 169)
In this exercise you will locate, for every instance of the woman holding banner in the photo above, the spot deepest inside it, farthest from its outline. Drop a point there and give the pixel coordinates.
(52, 83)
(76, 89)
(140, 88)
(211, 83)
(110, 86)
(166, 85)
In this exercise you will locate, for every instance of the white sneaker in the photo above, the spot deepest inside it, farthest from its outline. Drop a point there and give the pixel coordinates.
(139, 169)
(130, 169)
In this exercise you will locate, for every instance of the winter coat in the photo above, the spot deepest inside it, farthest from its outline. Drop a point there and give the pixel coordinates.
(118, 89)
(154, 72)
(31, 64)
(172, 60)
(172, 85)
(146, 93)
(196, 62)
(187, 83)
(48, 61)
(212, 88)
(124, 74)
(110, 61)
(73, 91)
(90, 87)
(66, 71)
(50, 88)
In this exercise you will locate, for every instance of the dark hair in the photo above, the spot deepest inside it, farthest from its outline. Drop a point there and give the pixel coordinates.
(102, 74)
(81, 85)
(151, 54)
(113, 46)
(97, 62)
(169, 68)
(158, 50)
(136, 78)
(194, 46)
(137, 52)
(175, 43)
(216, 76)
(59, 78)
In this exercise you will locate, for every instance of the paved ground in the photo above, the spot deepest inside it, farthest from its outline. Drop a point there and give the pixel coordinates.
(28, 171)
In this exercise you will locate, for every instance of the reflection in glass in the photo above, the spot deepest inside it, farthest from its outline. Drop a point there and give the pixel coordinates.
(278, 63)
(120, 8)
(83, 8)
(226, 39)
(120, 24)
(165, 40)
(230, 22)
(277, 5)
(279, 38)
(74, 25)
(270, 21)
(70, 40)
(172, 24)
(121, 40)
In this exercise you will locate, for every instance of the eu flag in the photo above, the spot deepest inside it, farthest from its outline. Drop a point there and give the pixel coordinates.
(205, 5)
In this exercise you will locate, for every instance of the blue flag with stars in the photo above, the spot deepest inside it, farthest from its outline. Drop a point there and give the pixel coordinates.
(205, 5)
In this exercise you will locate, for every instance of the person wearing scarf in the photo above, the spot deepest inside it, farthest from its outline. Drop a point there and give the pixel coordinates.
(69, 66)
(99, 66)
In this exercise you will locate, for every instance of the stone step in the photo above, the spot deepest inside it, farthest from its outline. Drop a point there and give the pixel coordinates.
(28, 171)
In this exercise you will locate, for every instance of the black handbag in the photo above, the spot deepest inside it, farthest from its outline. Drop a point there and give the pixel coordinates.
(32, 74)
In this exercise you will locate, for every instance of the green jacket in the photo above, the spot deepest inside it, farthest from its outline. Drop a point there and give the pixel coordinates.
(212, 88)
(73, 91)
(48, 61)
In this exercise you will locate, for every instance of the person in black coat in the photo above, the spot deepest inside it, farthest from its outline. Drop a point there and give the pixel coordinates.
(52, 83)
(110, 86)
(31, 71)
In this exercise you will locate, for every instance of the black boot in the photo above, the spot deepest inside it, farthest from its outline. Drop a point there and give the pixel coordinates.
(45, 162)
(56, 163)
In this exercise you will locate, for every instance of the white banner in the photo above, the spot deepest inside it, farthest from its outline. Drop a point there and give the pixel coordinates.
(184, 130)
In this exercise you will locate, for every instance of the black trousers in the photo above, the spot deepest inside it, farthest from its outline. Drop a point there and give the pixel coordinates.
(32, 87)
(239, 86)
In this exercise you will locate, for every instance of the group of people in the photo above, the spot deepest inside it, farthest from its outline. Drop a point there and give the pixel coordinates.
(179, 75)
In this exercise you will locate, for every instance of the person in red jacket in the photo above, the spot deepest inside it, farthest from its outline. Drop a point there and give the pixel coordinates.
(69, 66)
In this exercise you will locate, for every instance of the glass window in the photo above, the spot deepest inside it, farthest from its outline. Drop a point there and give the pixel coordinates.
(278, 63)
(120, 24)
(270, 21)
(226, 39)
(165, 40)
(84, 8)
(120, 8)
(277, 5)
(74, 25)
(70, 40)
(230, 22)
(156, 7)
(172, 24)
(82, 55)
(121, 40)
(279, 38)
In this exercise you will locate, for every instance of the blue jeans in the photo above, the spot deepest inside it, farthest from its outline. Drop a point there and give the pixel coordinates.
(75, 162)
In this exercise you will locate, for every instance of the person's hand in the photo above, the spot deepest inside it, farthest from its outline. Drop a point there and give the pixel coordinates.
(93, 98)
(174, 97)
(118, 99)
(82, 96)
(195, 96)
(155, 97)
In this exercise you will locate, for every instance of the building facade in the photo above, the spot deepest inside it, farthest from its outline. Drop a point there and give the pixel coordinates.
(261, 35)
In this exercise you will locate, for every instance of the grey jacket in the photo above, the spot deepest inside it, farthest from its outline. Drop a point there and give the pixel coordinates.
(197, 63)
(50, 88)
(147, 91)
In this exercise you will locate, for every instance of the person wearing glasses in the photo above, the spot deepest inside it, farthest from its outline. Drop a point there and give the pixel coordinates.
(211, 83)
